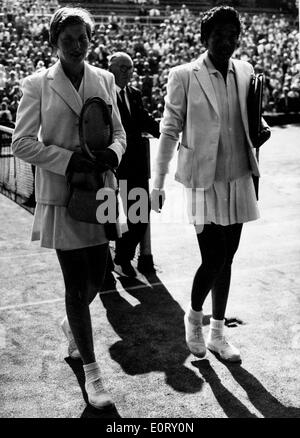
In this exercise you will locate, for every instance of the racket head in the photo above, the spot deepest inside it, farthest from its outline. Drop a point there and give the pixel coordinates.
(95, 126)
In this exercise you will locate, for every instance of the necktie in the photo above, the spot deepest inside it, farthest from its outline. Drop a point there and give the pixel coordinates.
(125, 111)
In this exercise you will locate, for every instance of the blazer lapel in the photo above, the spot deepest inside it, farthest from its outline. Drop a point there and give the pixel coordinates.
(94, 85)
(91, 82)
(63, 87)
(205, 83)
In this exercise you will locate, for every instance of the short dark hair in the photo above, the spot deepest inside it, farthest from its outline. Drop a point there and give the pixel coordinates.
(67, 16)
(218, 15)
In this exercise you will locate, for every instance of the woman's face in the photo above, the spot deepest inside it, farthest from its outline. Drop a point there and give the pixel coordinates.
(72, 45)
(222, 42)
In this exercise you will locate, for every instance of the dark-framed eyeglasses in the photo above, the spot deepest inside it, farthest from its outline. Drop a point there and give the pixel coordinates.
(126, 68)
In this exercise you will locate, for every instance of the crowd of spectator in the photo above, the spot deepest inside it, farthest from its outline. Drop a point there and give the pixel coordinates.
(24, 48)
(269, 42)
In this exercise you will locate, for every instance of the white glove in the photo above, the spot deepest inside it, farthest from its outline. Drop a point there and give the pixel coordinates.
(158, 198)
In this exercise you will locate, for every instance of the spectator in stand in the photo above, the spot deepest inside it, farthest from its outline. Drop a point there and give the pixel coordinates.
(103, 54)
(147, 82)
(5, 115)
(138, 63)
(283, 104)
(92, 56)
(142, 13)
(153, 62)
(153, 14)
(13, 106)
(11, 82)
(2, 76)
(294, 98)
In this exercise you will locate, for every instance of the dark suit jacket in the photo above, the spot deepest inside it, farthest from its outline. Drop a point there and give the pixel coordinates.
(135, 161)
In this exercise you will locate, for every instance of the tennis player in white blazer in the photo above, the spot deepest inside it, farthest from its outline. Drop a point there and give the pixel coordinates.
(47, 136)
(206, 104)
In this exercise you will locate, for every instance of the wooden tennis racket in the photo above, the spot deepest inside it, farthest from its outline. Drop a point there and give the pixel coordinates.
(95, 134)
(254, 107)
(95, 127)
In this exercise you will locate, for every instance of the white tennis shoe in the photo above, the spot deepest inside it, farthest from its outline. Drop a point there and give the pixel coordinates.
(222, 347)
(194, 336)
(97, 395)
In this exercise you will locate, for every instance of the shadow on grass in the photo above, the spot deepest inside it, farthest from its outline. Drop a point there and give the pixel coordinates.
(152, 333)
(89, 411)
(260, 398)
(231, 405)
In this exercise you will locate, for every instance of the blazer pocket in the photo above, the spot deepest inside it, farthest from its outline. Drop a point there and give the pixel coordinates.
(184, 164)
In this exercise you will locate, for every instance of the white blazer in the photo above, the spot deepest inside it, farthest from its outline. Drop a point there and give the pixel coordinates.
(46, 131)
(191, 108)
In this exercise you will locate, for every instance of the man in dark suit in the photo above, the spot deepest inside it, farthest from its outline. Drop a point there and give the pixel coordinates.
(134, 167)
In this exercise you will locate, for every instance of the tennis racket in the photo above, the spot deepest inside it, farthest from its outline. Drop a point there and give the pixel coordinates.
(95, 127)
(95, 134)
(254, 106)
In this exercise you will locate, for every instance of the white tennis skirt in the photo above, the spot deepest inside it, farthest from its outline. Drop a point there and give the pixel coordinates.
(224, 203)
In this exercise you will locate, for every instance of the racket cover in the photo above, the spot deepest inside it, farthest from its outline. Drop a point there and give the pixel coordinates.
(95, 134)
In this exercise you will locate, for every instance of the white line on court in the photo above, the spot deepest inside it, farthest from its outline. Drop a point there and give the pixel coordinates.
(147, 284)
(31, 254)
(37, 303)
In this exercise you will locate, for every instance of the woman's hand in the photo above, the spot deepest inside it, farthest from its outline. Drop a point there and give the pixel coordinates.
(82, 173)
(106, 159)
(263, 136)
(79, 163)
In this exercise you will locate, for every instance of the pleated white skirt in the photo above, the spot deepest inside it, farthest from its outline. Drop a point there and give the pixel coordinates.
(224, 203)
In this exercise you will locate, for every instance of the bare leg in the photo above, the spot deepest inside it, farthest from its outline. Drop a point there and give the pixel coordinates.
(83, 271)
(212, 247)
(220, 289)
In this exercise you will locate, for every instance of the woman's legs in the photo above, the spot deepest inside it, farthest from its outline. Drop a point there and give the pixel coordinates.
(218, 245)
(83, 271)
(220, 289)
(213, 252)
(212, 248)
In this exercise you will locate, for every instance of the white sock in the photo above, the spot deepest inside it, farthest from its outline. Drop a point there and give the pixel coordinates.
(217, 324)
(216, 328)
(92, 372)
(195, 315)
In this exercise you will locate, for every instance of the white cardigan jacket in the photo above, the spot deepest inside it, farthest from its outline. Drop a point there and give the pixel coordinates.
(46, 131)
(191, 108)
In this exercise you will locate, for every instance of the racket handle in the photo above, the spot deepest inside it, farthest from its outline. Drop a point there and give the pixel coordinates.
(107, 158)
(79, 163)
